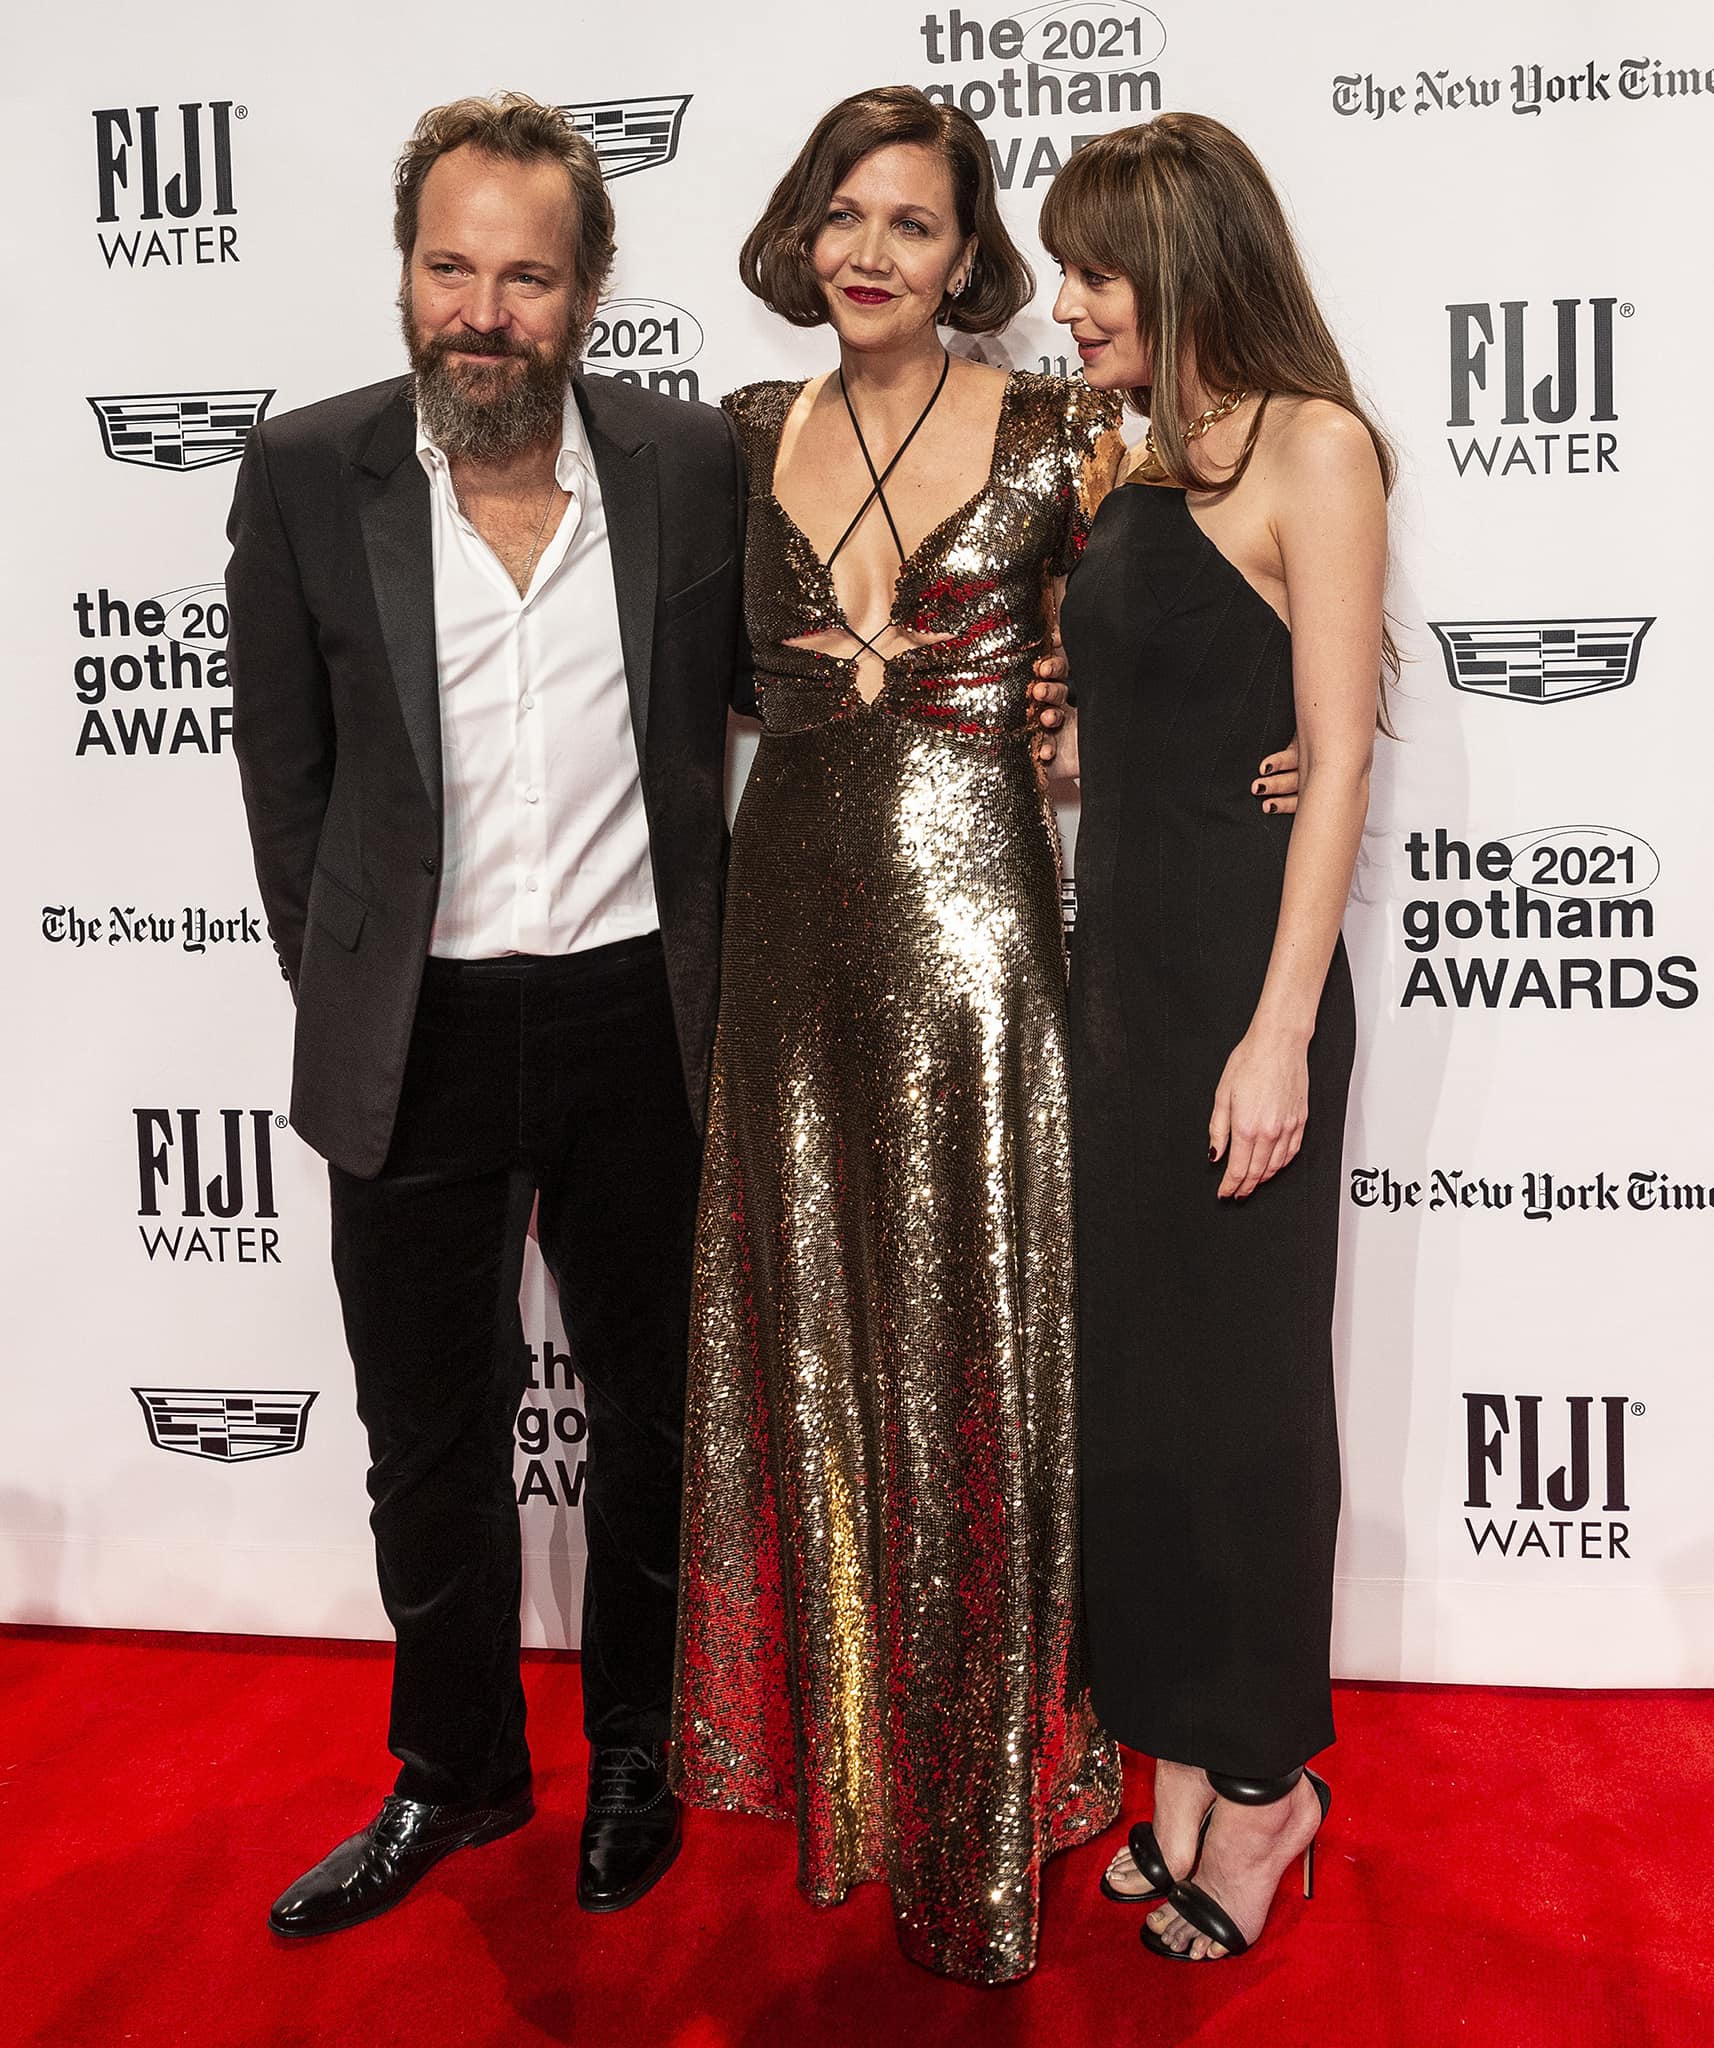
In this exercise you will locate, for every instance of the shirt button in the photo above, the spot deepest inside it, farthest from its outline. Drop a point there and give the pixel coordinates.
(529, 703)
(532, 885)
(532, 796)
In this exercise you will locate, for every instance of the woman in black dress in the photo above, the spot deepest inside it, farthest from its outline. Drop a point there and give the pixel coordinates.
(1231, 589)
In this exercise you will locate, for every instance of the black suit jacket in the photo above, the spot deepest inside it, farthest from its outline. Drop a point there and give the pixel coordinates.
(336, 715)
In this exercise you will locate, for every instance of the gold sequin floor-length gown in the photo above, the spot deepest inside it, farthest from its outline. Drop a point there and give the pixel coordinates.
(880, 1629)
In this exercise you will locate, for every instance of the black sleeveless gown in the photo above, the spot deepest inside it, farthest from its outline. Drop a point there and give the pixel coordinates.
(1210, 1449)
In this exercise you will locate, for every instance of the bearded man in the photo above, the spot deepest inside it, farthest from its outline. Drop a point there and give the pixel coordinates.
(485, 629)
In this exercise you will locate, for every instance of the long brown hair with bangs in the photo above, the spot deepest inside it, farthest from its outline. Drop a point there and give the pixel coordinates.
(1181, 209)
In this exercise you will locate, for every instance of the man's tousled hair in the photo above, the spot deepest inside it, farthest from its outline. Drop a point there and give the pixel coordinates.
(513, 128)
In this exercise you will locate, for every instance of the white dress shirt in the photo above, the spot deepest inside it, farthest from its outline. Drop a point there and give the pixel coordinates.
(546, 847)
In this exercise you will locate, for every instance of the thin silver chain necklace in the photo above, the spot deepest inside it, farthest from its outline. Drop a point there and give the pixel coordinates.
(522, 582)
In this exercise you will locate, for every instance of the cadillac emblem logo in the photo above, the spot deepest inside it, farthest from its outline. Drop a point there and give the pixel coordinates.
(630, 135)
(216, 1422)
(1541, 661)
(179, 429)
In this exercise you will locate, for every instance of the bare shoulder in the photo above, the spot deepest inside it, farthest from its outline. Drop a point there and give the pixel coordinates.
(1314, 443)
(979, 376)
(811, 397)
(974, 391)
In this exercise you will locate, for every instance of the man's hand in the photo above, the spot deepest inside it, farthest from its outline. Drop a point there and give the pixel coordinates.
(1275, 787)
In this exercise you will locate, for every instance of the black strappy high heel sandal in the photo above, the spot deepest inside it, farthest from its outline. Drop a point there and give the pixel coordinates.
(1205, 1913)
(1146, 1855)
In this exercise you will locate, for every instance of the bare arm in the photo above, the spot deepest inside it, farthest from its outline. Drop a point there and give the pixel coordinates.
(1331, 528)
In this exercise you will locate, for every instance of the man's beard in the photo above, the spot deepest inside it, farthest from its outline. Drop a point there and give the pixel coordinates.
(489, 412)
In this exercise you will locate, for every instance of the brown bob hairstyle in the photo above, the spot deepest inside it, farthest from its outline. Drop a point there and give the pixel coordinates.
(775, 261)
(515, 129)
(1181, 209)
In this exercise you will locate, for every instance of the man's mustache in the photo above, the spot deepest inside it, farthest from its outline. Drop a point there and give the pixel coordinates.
(444, 345)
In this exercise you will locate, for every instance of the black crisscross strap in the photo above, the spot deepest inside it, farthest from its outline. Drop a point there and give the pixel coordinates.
(878, 482)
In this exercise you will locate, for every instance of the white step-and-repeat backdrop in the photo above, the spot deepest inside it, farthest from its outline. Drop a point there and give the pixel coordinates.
(1501, 205)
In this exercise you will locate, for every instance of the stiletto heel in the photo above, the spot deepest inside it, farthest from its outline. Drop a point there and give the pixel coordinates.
(1204, 1912)
(1150, 1863)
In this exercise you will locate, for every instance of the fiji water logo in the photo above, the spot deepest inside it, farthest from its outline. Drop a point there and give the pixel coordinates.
(1531, 389)
(205, 1191)
(1553, 1485)
(163, 181)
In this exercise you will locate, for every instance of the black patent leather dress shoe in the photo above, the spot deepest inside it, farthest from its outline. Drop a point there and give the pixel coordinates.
(632, 1830)
(372, 1871)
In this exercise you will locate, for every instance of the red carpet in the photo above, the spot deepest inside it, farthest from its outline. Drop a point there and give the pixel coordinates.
(1501, 1870)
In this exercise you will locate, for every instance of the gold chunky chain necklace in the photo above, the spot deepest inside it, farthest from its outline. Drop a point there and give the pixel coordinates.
(1152, 469)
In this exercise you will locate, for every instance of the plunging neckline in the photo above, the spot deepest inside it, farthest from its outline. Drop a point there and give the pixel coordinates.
(905, 567)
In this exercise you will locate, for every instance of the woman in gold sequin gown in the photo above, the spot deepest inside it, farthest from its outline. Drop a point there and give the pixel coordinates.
(879, 1629)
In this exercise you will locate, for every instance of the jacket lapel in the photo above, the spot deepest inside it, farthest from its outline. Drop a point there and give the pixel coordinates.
(630, 497)
(400, 546)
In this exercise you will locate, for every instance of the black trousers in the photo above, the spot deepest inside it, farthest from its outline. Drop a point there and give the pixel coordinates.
(556, 1079)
